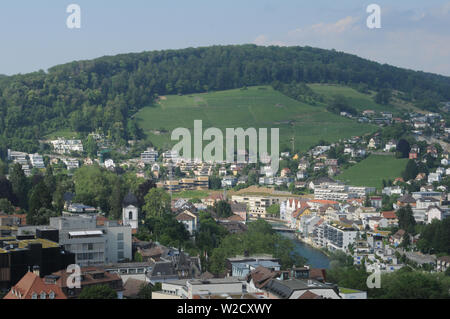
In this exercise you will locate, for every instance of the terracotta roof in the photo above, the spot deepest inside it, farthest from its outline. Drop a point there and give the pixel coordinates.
(261, 276)
(32, 284)
(236, 218)
(184, 216)
(323, 201)
(310, 295)
(389, 215)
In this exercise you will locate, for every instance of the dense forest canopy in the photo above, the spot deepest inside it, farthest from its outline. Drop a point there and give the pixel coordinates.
(102, 94)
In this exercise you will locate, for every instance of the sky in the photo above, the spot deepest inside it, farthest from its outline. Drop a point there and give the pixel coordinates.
(414, 34)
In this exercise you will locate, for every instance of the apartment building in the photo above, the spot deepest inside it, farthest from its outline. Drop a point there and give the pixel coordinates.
(149, 156)
(257, 205)
(92, 244)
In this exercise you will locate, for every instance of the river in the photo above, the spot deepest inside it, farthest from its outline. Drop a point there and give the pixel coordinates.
(315, 257)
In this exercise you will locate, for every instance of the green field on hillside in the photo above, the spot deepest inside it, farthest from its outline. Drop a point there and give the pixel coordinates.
(358, 100)
(258, 107)
(372, 171)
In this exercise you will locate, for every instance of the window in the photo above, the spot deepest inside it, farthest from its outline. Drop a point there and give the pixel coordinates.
(51, 295)
(34, 296)
(120, 255)
(120, 236)
(43, 295)
(90, 246)
(120, 245)
(130, 215)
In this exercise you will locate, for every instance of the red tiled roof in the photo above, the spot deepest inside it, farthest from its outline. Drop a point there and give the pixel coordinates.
(310, 295)
(389, 215)
(32, 283)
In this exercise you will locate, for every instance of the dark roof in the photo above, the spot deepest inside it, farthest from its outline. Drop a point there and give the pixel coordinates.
(132, 287)
(407, 198)
(130, 199)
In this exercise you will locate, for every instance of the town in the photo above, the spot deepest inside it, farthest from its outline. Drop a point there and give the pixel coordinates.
(123, 244)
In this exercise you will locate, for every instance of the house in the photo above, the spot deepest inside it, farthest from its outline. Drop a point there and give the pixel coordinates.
(189, 219)
(239, 209)
(390, 217)
(434, 177)
(405, 200)
(302, 174)
(90, 276)
(438, 213)
(443, 263)
(390, 146)
(376, 201)
(397, 238)
(32, 286)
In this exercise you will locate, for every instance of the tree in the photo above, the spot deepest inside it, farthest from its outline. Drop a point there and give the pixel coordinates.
(91, 146)
(6, 190)
(383, 96)
(40, 198)
(6, 206)
(19, 184)
(98, 292)
(40, 217)
(223, 209)
(403, 148)
(406, 219)
(145, 292)
(273, 210)
(410, 171)
(157, 202)
(215, 182)
(143, 190)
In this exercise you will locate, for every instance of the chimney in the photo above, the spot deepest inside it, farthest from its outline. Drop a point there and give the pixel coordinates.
(36, 271)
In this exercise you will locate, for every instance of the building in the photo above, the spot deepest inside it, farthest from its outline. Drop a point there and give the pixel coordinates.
(149, 156)
(32, 286)
(338, 236)
(130, 212)
(90, 276)
(257, 205)
(92, 244)
(190, 220)
(18, 256)
(37, 161)
(63, 146)
(443, 263)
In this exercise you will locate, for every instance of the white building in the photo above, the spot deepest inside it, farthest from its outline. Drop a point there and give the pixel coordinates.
(63, 146)
(37, 161)
(92, 244)
(130, 211)
(149, 156)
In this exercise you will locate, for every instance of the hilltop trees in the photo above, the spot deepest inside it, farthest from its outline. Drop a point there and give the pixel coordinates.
(102, 94)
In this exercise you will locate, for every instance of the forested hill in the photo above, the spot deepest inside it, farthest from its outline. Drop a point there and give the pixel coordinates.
(103, 93)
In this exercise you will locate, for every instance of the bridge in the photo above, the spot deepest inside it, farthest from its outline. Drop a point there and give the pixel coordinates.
(283, 229)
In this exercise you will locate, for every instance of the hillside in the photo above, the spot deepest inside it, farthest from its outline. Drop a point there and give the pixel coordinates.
(102, 94)
(259, 107)
(373, 170)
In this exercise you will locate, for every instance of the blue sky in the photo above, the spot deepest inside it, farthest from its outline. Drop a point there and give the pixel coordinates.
(414, 34)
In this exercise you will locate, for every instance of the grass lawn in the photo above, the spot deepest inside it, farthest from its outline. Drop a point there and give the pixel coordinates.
(358, 100)
(371, 171)
(191, 194)
(258, 107)
(65, 133)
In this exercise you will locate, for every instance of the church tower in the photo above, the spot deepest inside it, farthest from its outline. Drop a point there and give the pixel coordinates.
(130, 211)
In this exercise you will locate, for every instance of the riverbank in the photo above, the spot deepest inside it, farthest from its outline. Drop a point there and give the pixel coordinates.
(316, 258)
